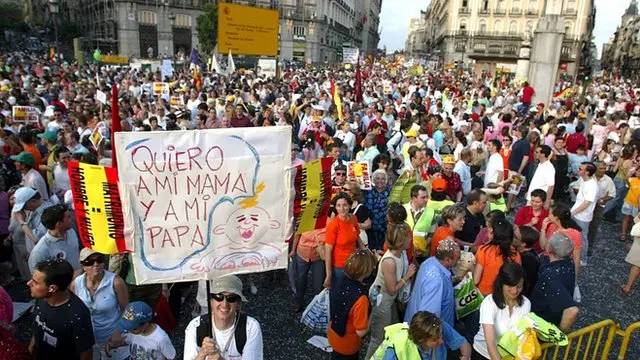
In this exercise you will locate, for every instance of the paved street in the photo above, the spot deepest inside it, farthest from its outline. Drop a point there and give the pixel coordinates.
(285, 337)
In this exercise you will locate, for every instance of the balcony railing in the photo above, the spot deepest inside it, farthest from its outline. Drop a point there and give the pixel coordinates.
(569, 12)
(499, 12)
(495, 49)
(498, 34)
(515, 12)
(464, 10)
(484, 12)
(532, 12)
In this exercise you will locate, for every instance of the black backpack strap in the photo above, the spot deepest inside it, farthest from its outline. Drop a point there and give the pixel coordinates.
(202, 331)
(241, 332)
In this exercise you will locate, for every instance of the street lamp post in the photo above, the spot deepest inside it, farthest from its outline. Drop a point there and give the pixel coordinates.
(53, 12)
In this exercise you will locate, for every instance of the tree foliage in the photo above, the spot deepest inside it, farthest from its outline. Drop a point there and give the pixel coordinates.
(207, 27)
(12, 15)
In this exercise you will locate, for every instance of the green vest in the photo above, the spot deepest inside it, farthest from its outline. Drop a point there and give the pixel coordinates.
(397, 337)
(425, 224)
(498, 205)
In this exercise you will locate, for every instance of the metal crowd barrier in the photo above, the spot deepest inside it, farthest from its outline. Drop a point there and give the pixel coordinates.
(592, 342)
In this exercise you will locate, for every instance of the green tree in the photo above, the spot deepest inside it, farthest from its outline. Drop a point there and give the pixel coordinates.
(207, 27)
(12, 15)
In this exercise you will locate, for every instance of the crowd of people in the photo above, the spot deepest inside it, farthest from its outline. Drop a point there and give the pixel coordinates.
(471, 179)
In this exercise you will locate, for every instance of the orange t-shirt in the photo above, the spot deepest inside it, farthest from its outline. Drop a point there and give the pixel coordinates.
(351, 343)
(36, 155)
(490, 258)
(343, 235)
(441, 233)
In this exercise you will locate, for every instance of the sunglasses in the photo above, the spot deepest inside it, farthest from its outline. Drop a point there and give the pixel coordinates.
(341, 174)
(230, 298)
(93, 260)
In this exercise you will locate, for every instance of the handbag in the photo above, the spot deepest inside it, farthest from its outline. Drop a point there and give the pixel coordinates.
(364, 238)
(320, 250)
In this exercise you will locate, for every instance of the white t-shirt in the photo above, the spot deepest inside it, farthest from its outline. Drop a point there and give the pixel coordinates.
(494, 166)
(499, 318)
(588, 192)
(34, 180)
(252, 349)
(543, 178)
(155, 346)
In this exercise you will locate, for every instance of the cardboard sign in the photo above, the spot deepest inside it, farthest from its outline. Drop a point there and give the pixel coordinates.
(360, 173)
(161, 89)
(25, 114)
(102, 97)
(205, 203)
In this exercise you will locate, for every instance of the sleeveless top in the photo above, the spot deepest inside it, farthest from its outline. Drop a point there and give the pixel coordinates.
(104, 308)
(402, 265)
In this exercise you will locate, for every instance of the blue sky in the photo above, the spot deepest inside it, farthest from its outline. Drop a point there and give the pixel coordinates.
(395, 16)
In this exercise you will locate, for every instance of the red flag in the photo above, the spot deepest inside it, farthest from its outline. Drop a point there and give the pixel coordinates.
(332, 89)
(358, 83)
(115, 124)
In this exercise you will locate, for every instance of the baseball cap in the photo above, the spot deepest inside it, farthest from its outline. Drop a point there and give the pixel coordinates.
(229, 283)
(439, 185)
(24, 157)
(134, 314)
(411, 133)
(448, 159)
(49, 135)
(21, 196)
(85, 253)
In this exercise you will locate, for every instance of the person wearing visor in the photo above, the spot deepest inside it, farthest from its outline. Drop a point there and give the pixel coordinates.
(235, 335)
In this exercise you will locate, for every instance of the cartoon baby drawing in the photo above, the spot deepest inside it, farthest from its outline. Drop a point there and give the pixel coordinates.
(242, 240)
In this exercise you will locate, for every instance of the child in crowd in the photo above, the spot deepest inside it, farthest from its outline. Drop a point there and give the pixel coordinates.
(526, 238)
(145, 339)
(576, 159)
(630, 205)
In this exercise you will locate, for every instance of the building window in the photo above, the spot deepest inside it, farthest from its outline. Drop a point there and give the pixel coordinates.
(147, 17)
(482, 28)
(501, 5)
(183, 20)
(533, 5)
(485, 5)
(299, 30)
(463, 26)
(497, 26)
(529, 27)
(513, 28)
(465, 3)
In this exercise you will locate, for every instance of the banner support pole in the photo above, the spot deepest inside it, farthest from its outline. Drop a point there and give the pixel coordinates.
(210, 329)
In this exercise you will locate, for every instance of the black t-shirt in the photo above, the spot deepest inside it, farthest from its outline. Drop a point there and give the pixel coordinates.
(62, 332)
(471, 228)
(530, 265)
(520, 149)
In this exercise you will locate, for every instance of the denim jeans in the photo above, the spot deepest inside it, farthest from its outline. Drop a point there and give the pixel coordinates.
(616, 204)
(584, 225)
(376, 239)
(302, 269)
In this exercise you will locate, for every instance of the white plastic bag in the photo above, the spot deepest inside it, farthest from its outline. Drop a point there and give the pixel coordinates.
(577, 295)
(316, 316)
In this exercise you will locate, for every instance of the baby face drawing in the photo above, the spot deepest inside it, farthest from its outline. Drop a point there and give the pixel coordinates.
(245, 227)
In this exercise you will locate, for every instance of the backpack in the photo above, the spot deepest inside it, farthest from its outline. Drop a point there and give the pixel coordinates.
(240, 335)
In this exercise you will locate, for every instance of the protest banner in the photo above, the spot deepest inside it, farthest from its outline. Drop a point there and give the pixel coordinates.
(166, 70)
(205, 203)
(313, 195)
(25, 114)
(360, 173)
(97, 206)
(161, 89)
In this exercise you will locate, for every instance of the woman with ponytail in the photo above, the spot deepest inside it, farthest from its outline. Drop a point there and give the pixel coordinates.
(560, 219)
(491, 257)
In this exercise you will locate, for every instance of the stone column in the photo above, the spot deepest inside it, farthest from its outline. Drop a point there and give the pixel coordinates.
(545, 56)
(522, 67)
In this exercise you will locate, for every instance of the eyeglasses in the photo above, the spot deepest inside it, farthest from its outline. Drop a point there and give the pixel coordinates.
(341, 174)
(93, 260)
(230, 298)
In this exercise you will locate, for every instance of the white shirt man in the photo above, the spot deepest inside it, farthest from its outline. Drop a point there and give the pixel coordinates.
(462, 169)
(545, 176)
(495, 165)
(582, 210)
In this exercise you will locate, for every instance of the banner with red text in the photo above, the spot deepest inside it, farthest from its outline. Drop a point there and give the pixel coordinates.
(204, 203)
(96, 202)
(313, 195)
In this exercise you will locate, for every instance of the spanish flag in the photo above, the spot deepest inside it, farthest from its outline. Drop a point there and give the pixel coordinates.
(197, 81)
(564, 94)
(337, 100)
